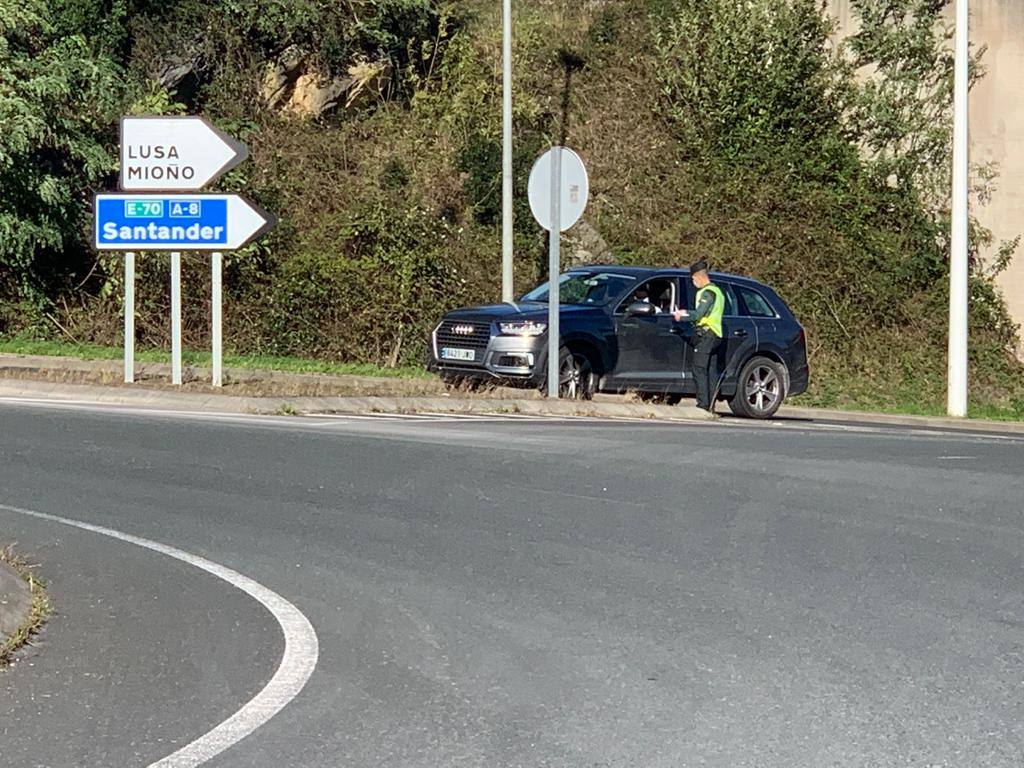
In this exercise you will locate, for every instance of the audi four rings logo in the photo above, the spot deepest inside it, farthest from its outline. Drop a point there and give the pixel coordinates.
(464, 330)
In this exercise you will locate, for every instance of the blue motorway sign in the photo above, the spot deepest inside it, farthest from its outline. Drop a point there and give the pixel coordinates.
(192, 222)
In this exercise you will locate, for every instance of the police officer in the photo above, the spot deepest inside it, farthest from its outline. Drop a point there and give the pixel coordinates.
(707, 315)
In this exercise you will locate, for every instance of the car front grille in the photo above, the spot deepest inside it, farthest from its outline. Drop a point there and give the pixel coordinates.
(463, 335)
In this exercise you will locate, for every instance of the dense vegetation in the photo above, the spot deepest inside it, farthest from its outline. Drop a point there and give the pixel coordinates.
(732, 129)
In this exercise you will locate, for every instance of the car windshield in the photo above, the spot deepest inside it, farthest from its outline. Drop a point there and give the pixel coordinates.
(586, 288)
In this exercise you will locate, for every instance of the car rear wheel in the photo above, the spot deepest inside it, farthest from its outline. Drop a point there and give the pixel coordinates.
(760, 390)
(576, 377)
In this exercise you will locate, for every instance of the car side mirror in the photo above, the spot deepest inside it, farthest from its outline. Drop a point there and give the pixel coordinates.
(641, 308)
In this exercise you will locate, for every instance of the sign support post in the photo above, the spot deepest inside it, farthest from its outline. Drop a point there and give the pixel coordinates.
(215, 320)
(175, 317)
(558, 191)
(554, 269)
(129, 318)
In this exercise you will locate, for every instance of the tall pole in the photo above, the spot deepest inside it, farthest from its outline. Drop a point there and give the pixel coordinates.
(215, 320)
(129, 317)
(957, 386)
(506, 157)
(175, 317)
(554, 268)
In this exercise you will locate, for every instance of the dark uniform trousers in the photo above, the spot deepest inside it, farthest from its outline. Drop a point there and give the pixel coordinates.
(704, 348)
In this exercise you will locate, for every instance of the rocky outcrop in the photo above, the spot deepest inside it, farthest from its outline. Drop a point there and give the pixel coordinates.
(313, 94)
(280, 76)
(293, 84)
(584, 245)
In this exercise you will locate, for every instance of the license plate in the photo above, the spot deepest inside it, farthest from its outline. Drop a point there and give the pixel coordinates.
(450, 353)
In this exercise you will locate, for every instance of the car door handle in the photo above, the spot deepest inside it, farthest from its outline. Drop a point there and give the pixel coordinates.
(740, 334)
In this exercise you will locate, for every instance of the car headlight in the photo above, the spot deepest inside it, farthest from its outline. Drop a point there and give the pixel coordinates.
(523, 328)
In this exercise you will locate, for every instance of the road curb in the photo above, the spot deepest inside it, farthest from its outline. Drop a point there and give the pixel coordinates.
(153, 375)
(900, 420)
(15, 603)
(201, 402)
(402, 397)
(569, 408)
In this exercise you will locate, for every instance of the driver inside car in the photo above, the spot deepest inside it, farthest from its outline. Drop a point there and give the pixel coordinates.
(643, 296)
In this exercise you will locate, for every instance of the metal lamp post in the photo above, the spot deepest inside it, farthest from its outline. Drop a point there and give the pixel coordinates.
(957, 384)
(506, 159)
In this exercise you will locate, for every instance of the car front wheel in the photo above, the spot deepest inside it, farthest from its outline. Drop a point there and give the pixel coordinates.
(576, 377)
(760, 390)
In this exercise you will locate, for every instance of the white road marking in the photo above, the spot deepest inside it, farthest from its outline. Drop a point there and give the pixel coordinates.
(301, 649)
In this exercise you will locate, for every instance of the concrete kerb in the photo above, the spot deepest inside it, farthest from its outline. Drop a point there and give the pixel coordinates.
(70, 370)
(566, 408)
(199, 402)
(15, 602)
(900, 420)
(507, 402)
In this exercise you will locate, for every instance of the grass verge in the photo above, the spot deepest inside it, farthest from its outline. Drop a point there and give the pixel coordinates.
(39, 611)
(982, 411)
(902, 404)
(854, 395)
(18, 345)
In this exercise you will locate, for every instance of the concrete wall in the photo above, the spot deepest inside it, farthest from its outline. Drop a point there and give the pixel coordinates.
(997, 131)
(997, 125)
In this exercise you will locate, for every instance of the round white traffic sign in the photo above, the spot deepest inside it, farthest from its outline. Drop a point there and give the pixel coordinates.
(575, 188)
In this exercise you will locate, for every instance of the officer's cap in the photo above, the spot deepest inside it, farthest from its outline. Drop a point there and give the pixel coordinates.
(699, 266)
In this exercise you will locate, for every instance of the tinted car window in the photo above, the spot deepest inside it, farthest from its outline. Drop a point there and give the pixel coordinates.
(731, 306)
(660, 292)
(756, 304)
(584, 288)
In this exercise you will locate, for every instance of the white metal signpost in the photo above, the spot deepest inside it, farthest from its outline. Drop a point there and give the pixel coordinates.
(558, 191)
(161, 155)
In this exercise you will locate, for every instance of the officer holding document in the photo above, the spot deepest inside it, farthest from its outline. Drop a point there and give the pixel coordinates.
(707, 315)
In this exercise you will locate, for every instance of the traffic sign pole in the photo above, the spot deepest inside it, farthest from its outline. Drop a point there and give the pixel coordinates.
(175, 317)
(554, 268)
(215, 300)
(558, 171)
(129, 318)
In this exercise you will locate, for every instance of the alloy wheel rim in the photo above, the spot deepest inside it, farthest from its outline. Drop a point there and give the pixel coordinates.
(571, 378)
(762, 388)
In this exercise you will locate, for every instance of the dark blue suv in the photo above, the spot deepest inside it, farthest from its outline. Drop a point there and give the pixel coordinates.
(618, 335)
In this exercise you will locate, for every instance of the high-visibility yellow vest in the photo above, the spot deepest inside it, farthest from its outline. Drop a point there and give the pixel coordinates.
(713, 319)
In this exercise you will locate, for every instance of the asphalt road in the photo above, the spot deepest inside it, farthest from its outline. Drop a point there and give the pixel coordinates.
(522, 593)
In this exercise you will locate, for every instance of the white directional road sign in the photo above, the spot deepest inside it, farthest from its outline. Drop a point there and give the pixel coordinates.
(174, 153)
(575, 188)
(197, 222)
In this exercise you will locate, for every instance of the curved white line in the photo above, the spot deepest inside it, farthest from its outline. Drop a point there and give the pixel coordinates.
(301, 649)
